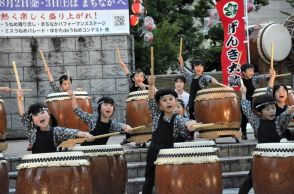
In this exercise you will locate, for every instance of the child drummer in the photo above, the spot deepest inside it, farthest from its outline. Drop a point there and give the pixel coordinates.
(197, 81)
(64, 82)
(101, 123)
(166, 126)
(41, 128)
(250, 81)
(269, 127)
(137, 80)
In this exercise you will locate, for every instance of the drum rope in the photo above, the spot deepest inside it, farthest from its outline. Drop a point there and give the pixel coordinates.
(53, 159)
(212, 92)
(274, 149)
(185, 155)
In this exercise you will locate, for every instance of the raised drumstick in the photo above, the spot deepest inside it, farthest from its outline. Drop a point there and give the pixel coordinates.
(43, 59)
(118, 54)
(152, 61)
(285, 74)
(272, 55)
(181, 46)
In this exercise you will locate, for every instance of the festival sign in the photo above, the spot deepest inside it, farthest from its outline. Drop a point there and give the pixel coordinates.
(232, 16)
(63, 17)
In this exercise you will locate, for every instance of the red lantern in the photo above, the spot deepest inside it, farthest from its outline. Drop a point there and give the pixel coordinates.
(137, 8)
(134, 20)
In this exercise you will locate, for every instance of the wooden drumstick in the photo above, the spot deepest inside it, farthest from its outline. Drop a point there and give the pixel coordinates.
(285, 74)
(152, 61)
(239, 59)
(220, 84)
(43, 59)
(118, 54)
(16, 75)
(28, 90)
(181, 47)
(272, 55)
(200, 125)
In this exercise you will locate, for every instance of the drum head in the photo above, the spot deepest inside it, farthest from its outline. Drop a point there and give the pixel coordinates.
(280, 36)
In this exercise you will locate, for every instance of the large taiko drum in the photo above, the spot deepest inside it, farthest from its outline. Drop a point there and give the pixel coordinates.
(108, 168)
(216, 105)
(261, 38)
(137, 113)
(3, 121)
(195, 144)
(261, 91)
(60, 172)
(188, 171)
(273, 168)
(59, 104)
(4, 180)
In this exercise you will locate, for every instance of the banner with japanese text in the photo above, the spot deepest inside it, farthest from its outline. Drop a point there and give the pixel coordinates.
(231, 13)
(24, 18)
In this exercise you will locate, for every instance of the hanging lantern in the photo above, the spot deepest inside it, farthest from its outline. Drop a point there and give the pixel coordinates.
(149, 23)
(148, 37)
(134, 20)
(137, 8)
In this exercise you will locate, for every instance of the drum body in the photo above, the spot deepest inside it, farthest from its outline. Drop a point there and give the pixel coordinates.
(137, 113)
(108, 168)
(261, 39)
(65, 172)
(3, 121)
(216, 105)
(59, 104)
(4, 180)
(188, 171)
(273, 168)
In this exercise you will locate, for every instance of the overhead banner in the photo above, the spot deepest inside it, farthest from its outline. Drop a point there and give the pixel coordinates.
(232, 16)
(63, 17)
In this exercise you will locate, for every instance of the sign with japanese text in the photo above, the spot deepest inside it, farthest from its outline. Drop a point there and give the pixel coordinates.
(63, 17)
(232, 16)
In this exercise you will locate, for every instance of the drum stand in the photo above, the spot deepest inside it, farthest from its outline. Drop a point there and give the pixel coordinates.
(221, 130)
(212, 135)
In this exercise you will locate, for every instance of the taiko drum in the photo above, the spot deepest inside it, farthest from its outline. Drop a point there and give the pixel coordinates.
(273, 168)
(137, 114)
(216, 105)
(59, 104)
(4, 180)
(3, 120)
(188, 171)
(64, 172)
(108, 168)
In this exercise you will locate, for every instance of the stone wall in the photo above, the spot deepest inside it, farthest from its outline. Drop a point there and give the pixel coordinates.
(91, 61)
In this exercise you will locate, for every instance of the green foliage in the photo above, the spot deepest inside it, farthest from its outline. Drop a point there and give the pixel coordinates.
(173, 20)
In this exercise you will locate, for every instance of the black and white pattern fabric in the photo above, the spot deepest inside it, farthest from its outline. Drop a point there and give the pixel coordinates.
(280, 121)
(179, 121)
(204, 80)
(60, 134)
(91, 120)
(54, 87)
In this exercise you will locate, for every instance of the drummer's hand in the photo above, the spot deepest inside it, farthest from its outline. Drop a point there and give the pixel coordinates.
(70, 93)
(151, 80)
(88, 137)
(181, 61)
(19, 94)
(127, 128)
(272, 73)
(5, 89)
(189, 124)
(290, 109)
(123, 65)
(243, 90)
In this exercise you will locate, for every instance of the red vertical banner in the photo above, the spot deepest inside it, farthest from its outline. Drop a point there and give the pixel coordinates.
(231, 13)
